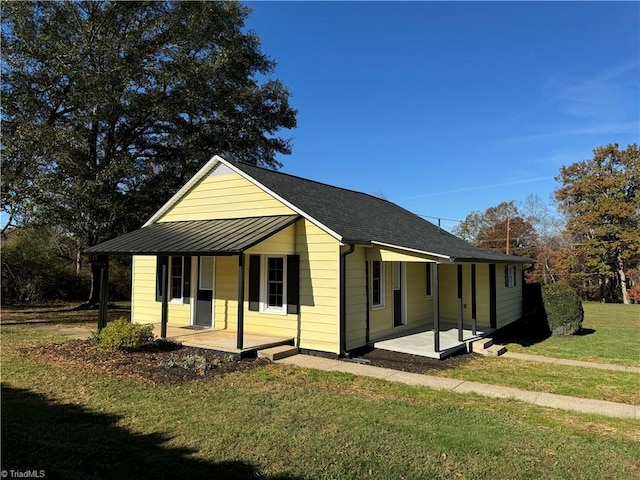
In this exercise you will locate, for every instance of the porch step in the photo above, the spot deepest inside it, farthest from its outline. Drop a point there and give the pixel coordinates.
(278, 352)
(493, 351)
(477, 346)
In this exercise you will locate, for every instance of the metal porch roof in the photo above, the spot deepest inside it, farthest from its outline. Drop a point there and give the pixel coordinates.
(195, 237)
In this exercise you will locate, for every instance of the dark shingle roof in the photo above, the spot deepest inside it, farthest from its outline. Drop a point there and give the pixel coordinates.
(362, 218)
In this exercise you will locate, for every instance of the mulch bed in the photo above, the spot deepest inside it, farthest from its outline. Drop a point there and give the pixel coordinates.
(155, 363)
(159, 362)
(413, 363)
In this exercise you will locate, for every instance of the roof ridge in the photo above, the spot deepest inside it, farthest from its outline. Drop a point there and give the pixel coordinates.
(320, 183)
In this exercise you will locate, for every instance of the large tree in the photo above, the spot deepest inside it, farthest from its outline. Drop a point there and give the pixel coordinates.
(502, 228)
(108, 107)
(601, 198)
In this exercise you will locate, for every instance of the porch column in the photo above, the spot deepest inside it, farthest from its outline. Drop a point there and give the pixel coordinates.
(240, 338)
(474, 319)
(436, 309)
(165, 300)
(103, 304)
(460, 323)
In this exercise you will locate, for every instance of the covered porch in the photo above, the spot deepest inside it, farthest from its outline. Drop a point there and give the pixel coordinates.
(462, 295)
(198, 238)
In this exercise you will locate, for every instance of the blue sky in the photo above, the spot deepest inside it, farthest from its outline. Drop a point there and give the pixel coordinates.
(450, 107)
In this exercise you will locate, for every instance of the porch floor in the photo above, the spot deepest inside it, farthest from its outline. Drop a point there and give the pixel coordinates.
(421, 343)
(221, 340)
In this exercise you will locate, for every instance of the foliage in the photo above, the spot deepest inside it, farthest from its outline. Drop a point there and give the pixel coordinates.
(601, 198)
(36, 267)
(491, 229)
(194, 362)
(563, 309)
(39, 264)
(122, 334)
(109, 107)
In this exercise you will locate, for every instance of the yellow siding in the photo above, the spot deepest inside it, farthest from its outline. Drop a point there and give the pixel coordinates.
(466, 294)
(144, 308)
(282, 243)
(225, 196)
(381, 318)
(319, 288)
(448, 288)
(419, 307)
(508, 299)
(482, 295)
(226, 293)
(319, 292)
(356, 299)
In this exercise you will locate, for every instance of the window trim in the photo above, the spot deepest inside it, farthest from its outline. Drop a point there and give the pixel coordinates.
(185, 296)
(264, 282)
(381, 304)
(510, 276)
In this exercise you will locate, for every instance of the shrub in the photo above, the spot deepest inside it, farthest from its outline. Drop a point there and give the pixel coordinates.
(563, 309)
(193, 362)
(121, 335)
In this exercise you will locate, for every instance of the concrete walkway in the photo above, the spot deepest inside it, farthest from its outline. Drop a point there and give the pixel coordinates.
(583, 405)
(573, 363)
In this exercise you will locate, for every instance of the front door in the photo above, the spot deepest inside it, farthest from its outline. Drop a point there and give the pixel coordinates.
(204, 296)
(398, 297)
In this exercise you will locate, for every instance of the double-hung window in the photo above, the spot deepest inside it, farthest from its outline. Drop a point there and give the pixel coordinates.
(179, 276)
(274, 283)
(177, 271)
(377, 284)
(274, 293)
(510, 274)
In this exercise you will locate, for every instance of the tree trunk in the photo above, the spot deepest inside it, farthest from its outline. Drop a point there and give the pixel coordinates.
(623, 281)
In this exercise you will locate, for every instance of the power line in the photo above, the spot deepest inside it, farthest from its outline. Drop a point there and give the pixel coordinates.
(440, 218)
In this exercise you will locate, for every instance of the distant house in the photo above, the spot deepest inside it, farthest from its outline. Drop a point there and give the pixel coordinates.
(330, 268)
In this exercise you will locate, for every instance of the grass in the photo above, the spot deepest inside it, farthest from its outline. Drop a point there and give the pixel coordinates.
(614, 386)
(612, 336)
(280, 422)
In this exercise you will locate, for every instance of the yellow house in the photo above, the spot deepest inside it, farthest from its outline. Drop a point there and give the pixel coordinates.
(254, 251)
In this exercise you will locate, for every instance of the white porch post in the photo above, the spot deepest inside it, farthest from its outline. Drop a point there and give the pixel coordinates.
(436, 309)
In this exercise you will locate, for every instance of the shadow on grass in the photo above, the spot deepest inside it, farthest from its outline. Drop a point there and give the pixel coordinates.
(584, 331)
(34, 316)
(68, 441)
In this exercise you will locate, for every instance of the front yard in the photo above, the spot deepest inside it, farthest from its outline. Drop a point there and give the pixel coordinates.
(611, 335)
(281, 422)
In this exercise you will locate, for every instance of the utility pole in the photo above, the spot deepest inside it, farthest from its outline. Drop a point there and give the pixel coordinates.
(508, 229)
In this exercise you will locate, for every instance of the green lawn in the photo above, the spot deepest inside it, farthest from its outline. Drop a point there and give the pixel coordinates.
(612, 336)
(583, 382)
(281, 422)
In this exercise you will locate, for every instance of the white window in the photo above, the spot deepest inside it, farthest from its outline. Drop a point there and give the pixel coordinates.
(176, 283)
(377, 284)
(510, 274)
(274, 281)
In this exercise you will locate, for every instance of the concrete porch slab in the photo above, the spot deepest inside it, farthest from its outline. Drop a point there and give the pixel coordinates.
(222, 340)
(421, 343)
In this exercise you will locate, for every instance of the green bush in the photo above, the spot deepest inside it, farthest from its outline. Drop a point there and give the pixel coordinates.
(563, 309)
(122, 334)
